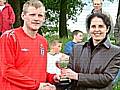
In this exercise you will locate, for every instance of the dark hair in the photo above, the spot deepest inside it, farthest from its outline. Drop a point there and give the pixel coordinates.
(75, 32)
(104, 17)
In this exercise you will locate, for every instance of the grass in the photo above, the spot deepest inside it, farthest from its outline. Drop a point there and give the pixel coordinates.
(116, 86)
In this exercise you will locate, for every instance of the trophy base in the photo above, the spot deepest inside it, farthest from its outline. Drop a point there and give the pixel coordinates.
(64, 81)
(63, 84)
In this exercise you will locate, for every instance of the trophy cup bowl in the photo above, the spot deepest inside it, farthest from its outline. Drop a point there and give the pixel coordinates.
(62, 64)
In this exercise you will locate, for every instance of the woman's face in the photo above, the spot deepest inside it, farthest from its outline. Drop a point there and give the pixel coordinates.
(97, 30)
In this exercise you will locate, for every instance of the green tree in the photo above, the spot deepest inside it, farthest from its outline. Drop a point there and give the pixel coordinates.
(117, 26)
(59, 11)
(17, 7)
(62, 23)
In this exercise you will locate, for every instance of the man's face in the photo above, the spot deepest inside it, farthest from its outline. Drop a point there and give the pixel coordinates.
(34, 18)
(97, 4)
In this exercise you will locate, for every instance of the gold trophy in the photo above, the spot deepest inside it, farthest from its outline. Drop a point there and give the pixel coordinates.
(62, 64)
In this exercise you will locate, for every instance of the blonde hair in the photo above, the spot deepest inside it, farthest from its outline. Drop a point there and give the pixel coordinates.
(4, 1)
(34, 3)
(54, 43)
(99, 0)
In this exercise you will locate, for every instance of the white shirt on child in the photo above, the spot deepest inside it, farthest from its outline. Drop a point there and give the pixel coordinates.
(51, 63)
(1, 7)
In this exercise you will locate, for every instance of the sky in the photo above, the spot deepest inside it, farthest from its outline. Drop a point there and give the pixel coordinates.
(109, 7)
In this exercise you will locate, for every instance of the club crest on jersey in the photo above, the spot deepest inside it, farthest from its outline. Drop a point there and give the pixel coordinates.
(42, 50)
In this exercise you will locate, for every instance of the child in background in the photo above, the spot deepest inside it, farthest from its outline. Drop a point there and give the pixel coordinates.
(55, 55)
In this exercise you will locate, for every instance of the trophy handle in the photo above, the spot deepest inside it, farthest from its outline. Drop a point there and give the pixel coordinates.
(58, 64)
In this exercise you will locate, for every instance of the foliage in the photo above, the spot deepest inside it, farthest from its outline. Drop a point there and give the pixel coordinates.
(116, 86)
(111, 0)
(54, 36)
(17, 7)
(49, 29)
(53, 7)
(112, 38)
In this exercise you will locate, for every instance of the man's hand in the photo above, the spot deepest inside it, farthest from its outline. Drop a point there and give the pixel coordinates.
(46, 86)
(56, 78)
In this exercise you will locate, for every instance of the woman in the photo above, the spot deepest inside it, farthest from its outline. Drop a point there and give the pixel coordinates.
(94, 65)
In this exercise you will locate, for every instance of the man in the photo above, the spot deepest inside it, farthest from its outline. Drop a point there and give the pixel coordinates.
(77, 36)
(97, 8)
(24, 53)
(97, 4)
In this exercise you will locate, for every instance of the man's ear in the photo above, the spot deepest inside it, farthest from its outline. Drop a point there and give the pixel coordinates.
(22, 16)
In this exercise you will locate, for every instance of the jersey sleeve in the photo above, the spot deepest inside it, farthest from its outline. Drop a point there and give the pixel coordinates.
(50, 78)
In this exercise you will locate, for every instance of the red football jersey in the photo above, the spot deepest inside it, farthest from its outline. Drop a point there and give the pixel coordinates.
(23, 61)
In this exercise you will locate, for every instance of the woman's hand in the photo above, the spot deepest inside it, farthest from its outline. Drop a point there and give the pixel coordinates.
(70, 74)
